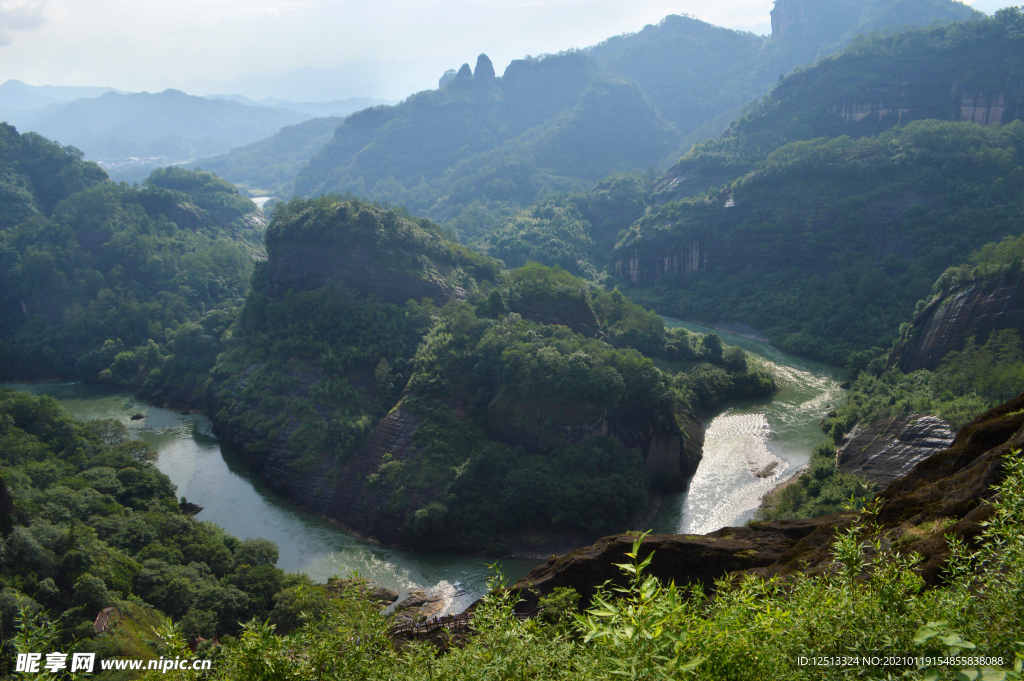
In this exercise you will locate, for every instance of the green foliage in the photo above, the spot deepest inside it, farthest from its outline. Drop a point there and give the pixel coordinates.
(966, 384)
(473, 154)
(546, 233)
(869, 602)
(819, 490)
(269, 166)
(796, 246)
(98, 526)
(127, 285)
(315, 365)
(37, 174)
(630, 623)
(861, 91)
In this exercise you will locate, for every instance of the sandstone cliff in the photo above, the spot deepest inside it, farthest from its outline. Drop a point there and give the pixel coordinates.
(974, 309)
(968, 73)
(891, 447)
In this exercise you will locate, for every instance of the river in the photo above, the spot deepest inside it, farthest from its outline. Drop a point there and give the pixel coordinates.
(771, 436)
(234, 497)
(781, 429)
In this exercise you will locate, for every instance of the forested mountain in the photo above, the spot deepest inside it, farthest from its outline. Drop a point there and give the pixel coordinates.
(480, 147)
(155, 129)
(966, 71)
(36, 175)
(827, 244)
(113, 282)
(400, 384)
(269, 166)
(87, 522)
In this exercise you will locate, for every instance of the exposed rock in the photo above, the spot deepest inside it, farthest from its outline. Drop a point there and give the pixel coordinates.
(685, 558)
(138, 417)
(447, 77)
(418, 606)
(942, 494)
(889, 448)
(483, 74)
(103, 621)
(188, 508)
(944, 325)
(377, 594)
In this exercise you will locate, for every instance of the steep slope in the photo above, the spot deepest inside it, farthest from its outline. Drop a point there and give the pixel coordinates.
(967, 71)
(270, 165)
(943, 495)
(397, 383)
(131, 285)
(828, 244)
(479, 147)
(37, 174)
(971, 301)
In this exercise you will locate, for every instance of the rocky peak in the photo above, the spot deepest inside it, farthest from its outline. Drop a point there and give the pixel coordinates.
(483, 74)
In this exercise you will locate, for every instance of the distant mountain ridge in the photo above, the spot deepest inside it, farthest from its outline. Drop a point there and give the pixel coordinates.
(169, 124)
(476, 149)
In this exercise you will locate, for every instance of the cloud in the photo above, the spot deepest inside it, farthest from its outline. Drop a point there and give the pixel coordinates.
(17, 16)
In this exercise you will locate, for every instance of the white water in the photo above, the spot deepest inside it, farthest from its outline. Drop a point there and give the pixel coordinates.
(753, 446)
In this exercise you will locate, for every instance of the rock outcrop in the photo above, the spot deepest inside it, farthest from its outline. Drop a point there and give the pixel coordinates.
(943, 494)
(419, 606)
(974, 309)
(891, 447)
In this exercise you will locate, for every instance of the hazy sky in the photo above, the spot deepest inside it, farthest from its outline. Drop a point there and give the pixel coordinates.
(154, 44)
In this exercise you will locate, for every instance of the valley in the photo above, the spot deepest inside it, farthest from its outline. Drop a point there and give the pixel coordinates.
(413, 359)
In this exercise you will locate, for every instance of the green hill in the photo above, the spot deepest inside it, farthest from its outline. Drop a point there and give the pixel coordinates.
(37, 174)
(964, 71)
(130, 285)
(479, 148)
(828, 244)
(390, 379)
(270, 165)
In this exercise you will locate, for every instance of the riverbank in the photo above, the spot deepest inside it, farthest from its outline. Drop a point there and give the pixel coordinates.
(753, 446)
(234, 497)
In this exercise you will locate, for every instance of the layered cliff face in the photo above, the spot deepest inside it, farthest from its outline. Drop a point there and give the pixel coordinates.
(942, 495)
(967, 73)
(828, 244)
(975, 309)
(891, 447)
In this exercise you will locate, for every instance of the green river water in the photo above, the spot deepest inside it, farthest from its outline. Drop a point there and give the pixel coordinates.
(747, 437)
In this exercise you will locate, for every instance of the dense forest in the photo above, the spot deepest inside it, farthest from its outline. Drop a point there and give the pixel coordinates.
(498, 378)
(829, 243)
(968, 70)
(480, 147)
(89, 523)
(117, 283)
(478, 372)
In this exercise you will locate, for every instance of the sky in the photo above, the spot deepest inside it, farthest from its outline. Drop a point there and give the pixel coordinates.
(254, 47)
